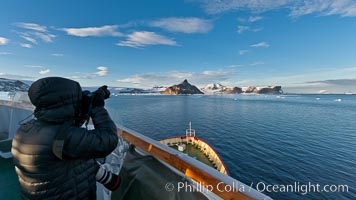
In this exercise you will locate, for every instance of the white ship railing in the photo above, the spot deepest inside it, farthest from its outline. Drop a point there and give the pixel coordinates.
(14, 107)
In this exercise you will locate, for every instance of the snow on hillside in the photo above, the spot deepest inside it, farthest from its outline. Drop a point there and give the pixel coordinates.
(7, 85)
(213, 88)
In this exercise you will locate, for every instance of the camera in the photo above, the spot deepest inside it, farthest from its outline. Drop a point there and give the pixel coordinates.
(90, 100)
(110, 180)
(103, 90)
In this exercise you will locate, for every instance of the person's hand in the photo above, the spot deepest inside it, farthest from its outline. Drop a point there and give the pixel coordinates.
(104, 90)
(100, 95)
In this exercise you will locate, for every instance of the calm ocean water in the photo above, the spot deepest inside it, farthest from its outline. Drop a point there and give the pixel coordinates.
(281, 140)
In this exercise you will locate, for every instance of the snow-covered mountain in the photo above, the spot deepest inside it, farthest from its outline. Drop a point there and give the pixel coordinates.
(7, 85)
(213, 87)
(217, 88)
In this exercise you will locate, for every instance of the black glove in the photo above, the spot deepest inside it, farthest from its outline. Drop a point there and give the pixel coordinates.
(100, 95)
(104, 90)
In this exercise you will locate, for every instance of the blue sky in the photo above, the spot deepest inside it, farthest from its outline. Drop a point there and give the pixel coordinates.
(305, 46)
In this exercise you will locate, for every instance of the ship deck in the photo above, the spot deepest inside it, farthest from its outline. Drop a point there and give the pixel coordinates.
(145, 177)
(9, 185)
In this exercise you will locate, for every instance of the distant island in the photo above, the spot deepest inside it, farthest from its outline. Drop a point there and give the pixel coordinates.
(215, 88)
(184, 88)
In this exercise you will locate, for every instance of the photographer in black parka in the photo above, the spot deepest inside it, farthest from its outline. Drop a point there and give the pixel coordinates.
(54, 157)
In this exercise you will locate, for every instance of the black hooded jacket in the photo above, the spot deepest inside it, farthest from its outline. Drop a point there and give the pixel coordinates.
(42, 175)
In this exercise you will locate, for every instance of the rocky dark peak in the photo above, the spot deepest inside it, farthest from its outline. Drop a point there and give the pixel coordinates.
(183, 88)
(263, 90)
(271, 90)
(234, 90)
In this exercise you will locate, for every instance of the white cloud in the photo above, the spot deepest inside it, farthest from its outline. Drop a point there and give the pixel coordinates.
(334, 80)
(252, 64)
(241, 29)
(347, 81)
(15, 77)
(252, 19)
(108, 30)
(234, 66)
(136, 79)
(29, 39)
(34, 66)
(32, 26)
(81, 76)
(44, 72)
(46, 37)
(242, 52)
(144, 38)
(257, 63)
(25, 45)
(5, 53)
(345, 8)
(184, 25)
(241, 19)
(260, 44)
(4, 41)
(220, 6)
(256, 29)
(321, 88)
(57, 54)
(35, 30)
(103, 71)
(174, 77)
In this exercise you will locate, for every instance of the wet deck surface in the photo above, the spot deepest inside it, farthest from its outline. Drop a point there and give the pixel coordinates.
(5, 145)
(9, 186)
(194, 152)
